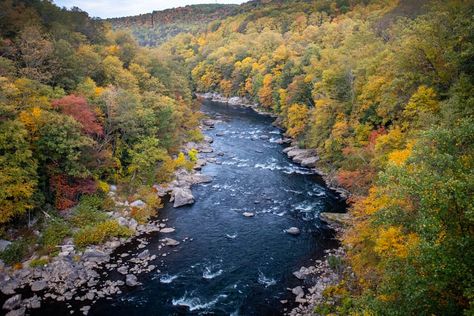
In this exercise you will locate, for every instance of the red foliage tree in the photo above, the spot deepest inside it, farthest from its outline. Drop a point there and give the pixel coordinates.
(79, 109)
(67, 190)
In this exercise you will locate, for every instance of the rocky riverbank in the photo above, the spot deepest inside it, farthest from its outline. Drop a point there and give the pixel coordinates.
(80, 277)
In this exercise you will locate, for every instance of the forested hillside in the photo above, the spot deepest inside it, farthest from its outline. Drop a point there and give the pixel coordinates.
(81, 106)
(152, 29)
(383, 90)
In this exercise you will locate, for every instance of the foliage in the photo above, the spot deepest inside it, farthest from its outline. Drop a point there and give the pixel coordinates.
(15, 252)
(53, 234)
(98, 233)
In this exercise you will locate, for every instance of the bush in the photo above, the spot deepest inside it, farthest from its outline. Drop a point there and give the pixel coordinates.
(15, 252)
(83, 217)
(99, 233)
(195, 135)
(88, 211)
(93, 201)
(152, 200)
(54, 234)
(193, 155)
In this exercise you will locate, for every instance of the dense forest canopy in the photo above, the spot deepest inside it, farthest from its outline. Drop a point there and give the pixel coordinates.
(82, 106)
(383, 90)
(152, 29)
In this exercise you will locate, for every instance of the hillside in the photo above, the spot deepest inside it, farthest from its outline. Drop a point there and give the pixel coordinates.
(154, 28)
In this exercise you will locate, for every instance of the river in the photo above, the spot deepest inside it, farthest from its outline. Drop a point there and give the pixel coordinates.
(232, 264)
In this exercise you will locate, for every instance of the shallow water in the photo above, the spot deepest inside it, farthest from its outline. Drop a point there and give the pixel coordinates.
(235, 265)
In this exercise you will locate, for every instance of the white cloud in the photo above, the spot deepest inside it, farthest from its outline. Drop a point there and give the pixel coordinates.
(117, 8)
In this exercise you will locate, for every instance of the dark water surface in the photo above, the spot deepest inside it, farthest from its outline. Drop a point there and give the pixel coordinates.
(235, 265)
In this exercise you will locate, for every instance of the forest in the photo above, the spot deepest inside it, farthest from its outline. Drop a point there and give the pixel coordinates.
(383, 90)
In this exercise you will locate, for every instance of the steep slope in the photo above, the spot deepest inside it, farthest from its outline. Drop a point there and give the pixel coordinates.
(154, 28)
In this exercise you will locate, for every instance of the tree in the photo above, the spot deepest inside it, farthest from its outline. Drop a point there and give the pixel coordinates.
(18, 178)
(78, 108)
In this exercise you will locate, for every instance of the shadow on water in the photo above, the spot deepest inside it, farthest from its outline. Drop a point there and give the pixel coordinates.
(234, 265)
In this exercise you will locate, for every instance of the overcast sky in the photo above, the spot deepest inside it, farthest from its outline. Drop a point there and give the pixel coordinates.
(117, 8)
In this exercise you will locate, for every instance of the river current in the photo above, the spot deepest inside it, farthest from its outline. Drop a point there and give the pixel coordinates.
(231, 264)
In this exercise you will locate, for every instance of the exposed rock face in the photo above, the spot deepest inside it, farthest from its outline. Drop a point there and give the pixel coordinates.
(293, 231)
(309, 162)
(336, 220)
(182, 196)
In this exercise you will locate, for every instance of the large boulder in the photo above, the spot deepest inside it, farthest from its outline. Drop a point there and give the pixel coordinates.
(310, 162)
(182, 196)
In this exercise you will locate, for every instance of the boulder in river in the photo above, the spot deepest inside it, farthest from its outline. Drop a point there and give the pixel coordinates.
(298, 291)
(167, 230)
(131, 280)
(248, 214)
(171, 242)
(182, 196)
(293, 231)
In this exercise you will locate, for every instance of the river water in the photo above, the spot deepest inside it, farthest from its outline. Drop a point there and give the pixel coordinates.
(235, 265)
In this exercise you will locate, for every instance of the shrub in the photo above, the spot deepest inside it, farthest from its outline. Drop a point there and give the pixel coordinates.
(53, 234)
(15, 252)
(195, 135)
(83, 217)
(99, 233)
(193, 155)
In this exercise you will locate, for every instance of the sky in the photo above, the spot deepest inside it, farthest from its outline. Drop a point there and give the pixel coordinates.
(118, 8)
